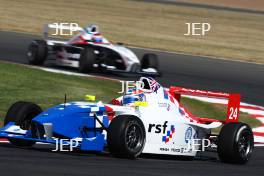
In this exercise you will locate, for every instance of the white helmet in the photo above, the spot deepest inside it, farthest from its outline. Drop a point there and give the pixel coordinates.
(92, 29)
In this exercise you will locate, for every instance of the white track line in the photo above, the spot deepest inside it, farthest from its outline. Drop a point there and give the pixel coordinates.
(72, 73)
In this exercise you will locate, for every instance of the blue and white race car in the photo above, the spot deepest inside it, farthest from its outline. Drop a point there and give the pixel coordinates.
(147, 119)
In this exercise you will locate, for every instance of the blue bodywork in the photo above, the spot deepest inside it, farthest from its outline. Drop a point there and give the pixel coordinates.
(74, 120)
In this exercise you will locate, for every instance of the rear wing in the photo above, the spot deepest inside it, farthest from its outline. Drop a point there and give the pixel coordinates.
(59, 27)
(233, 106)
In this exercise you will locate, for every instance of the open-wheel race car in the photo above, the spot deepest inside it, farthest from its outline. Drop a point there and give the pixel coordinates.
(89, 51)
(146, 119)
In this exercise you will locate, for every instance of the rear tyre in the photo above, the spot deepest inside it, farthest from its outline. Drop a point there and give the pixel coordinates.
(87, 60)
(235, 143)
(37, 52)
(126, 136)
(22, 114)
(150, 61)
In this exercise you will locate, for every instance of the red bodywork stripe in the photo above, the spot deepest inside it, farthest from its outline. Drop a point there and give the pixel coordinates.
(258, 134)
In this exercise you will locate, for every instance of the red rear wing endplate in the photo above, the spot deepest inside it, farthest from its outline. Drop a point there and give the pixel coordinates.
(233, 107)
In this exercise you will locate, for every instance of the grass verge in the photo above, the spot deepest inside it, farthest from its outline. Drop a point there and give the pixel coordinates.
(233, 35)
(18, 82)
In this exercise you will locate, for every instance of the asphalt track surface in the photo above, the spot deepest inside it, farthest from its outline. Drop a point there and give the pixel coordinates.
(41, 161)
(182, 70)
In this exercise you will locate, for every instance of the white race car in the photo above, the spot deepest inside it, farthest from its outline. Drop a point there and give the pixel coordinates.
(90, 51)
(147, 119)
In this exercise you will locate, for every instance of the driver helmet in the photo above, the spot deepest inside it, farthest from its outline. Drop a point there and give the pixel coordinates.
(129, 100)
(92, 29)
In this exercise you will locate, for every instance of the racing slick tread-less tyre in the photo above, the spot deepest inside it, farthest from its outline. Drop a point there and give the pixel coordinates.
(22, 114)
(87, 60)
(150, 61)
(126, 136)
(235, 143)
(37, 52)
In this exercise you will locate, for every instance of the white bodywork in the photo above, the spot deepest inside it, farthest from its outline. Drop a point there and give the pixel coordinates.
(126, 54)
(160, 117)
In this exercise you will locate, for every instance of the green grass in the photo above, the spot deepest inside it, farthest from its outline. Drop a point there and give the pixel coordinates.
(19, 82)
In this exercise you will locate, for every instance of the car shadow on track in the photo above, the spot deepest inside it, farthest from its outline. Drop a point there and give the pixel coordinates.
(47, 148)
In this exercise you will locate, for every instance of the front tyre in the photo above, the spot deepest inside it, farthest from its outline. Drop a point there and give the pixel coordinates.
(87, 59)
(22, 114)
(37, 52)
(126, 136)
(235, 143)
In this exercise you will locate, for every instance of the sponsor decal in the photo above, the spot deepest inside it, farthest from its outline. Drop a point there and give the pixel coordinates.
(176, 150)
(157, 128)
(163, 105)
(166, 95)
(181, 150)
(188, 134)
(169, 134)
(168, 108)
(141, 103)
(164, 149)
(181, 112)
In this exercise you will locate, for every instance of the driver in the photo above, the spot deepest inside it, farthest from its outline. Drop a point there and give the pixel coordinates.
(92, 29)
(93, 32)
(129, 100)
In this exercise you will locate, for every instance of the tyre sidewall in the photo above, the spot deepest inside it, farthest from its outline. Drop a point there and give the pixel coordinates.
(87, 59)
(18, 113)
(228, 143)
(39, 51)
(149, 61)
(117, 139)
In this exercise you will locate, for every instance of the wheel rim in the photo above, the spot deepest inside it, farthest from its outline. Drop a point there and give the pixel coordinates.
(134, 137)
(245, 144)
(32, 52)
(26, 123)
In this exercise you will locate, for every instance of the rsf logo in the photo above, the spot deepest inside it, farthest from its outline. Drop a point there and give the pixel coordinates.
(158, 128)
